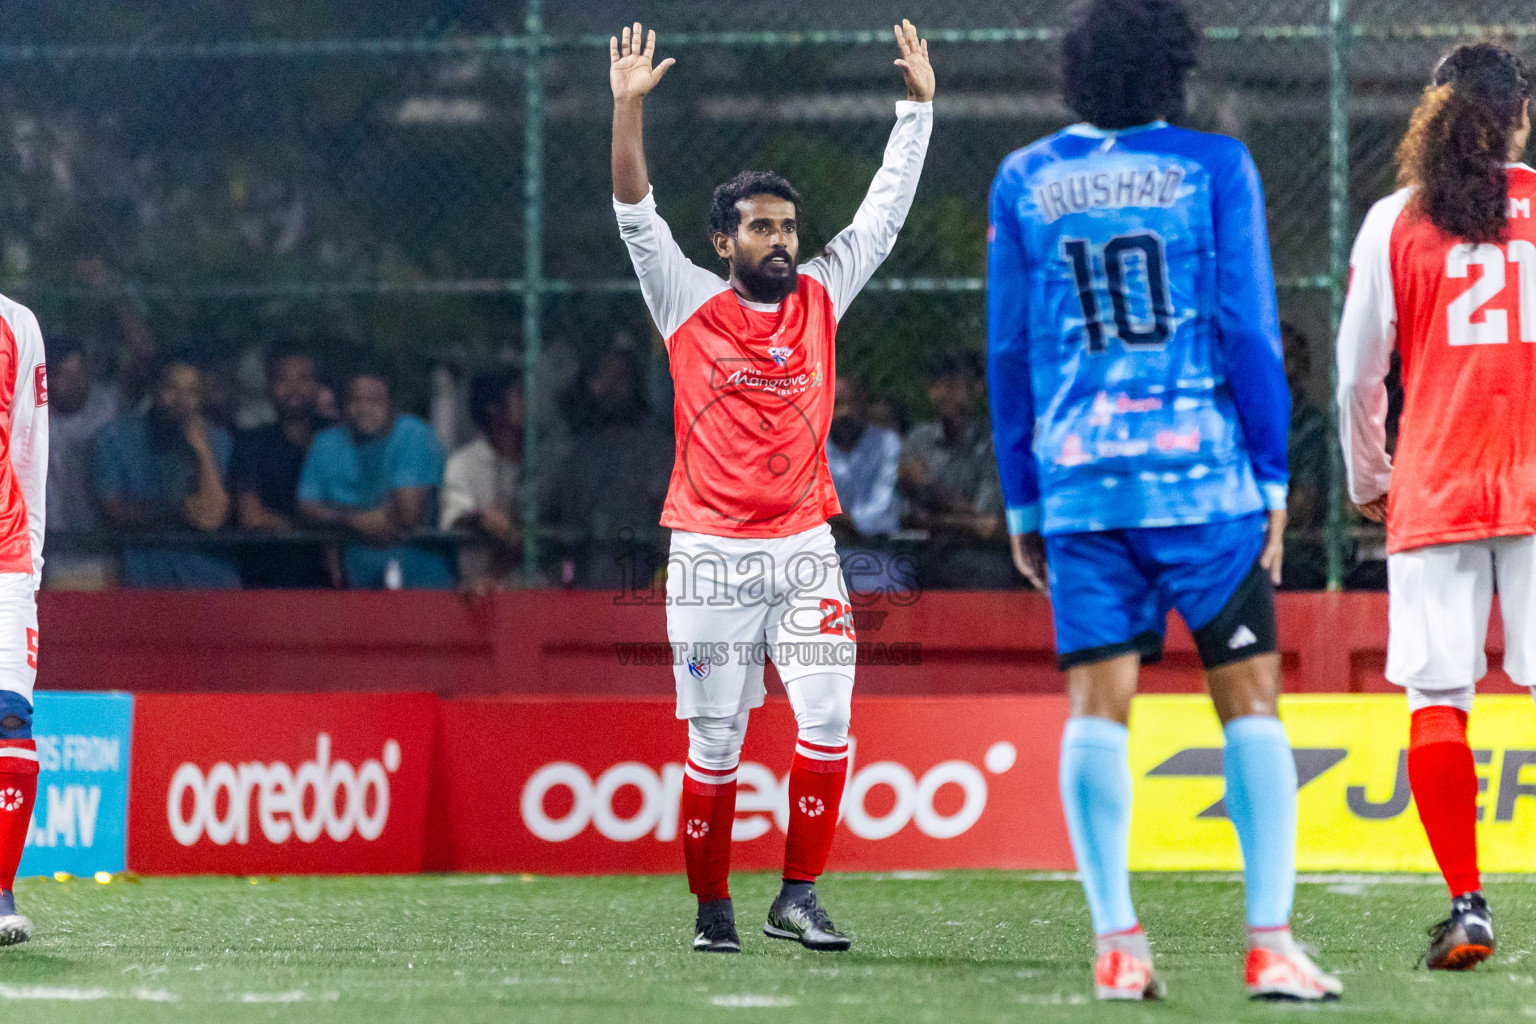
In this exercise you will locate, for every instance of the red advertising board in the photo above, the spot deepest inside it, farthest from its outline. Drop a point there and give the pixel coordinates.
(279, 783)
(592, 786)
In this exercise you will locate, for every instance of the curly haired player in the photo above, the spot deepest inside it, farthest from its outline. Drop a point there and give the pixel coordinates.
(1444, 270)
(753, 362)
(1140, 412)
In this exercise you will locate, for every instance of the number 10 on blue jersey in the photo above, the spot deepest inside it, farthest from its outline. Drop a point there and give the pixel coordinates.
(1135, 275)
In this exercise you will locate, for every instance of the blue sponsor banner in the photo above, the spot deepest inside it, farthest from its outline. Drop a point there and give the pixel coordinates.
(80, 822)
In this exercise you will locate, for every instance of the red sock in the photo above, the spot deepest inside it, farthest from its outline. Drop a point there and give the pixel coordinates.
(815, 794)
(1444, 784)
(18, 791)
(708, 811)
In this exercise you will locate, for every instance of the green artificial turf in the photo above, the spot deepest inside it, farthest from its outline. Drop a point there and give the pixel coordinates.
(953, 947)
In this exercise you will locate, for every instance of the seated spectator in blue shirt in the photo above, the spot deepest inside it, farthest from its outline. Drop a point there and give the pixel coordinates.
(264, 476)
(163, 471)
(375, 476)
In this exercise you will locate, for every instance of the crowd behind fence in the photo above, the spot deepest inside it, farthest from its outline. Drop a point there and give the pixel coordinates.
(427, 200)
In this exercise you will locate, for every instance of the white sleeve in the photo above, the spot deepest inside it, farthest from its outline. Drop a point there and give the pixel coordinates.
(856, 253)
(457, 498)
(674, 287)
(1367, 335)
(29, 430)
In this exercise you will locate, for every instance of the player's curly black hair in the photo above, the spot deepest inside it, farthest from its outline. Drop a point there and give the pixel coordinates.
(723, 215)
(1459, 140)
(1124, 62)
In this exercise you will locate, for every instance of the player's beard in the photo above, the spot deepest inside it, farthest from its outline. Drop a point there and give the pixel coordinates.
(765, 284)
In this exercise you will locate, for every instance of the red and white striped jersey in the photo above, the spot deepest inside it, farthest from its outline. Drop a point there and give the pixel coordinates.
(754, 382)
(1463, 318)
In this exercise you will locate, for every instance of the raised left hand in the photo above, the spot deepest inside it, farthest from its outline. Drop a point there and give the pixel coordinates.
(914, 62)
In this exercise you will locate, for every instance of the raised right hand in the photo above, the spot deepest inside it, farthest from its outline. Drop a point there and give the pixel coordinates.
(629, 67)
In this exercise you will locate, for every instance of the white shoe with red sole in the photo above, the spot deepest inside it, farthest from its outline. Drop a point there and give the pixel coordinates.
(1279, 969)
(1124, 968)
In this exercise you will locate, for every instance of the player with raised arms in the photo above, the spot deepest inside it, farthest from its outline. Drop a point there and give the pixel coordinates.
(1444, 270)
(1140, 412)
(752, 568)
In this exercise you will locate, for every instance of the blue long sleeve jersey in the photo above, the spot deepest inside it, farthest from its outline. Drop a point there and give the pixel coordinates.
(1133, 341)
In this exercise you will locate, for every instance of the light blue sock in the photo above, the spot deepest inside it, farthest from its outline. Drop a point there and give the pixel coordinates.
(1096, 796)
(1261, 800)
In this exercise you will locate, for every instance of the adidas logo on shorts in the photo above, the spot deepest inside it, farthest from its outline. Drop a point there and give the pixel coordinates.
(1242, 638)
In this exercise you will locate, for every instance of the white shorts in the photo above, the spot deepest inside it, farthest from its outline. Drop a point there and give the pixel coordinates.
(734, 603)
(1439, 600)
(18, 633)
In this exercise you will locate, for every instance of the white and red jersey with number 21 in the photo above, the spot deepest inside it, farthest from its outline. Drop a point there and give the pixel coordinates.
(1463, 318)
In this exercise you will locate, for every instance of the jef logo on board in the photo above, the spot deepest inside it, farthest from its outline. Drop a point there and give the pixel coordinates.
(1356, 810)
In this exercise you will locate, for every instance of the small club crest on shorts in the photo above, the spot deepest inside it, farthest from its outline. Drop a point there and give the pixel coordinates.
(698, 666)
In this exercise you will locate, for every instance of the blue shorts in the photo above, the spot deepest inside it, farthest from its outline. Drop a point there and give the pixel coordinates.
(1111, 590)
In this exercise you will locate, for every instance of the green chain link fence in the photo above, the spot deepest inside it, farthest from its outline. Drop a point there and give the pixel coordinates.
(441, 197)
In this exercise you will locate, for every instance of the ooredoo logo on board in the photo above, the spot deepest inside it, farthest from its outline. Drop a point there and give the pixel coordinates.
(257, 784)
(595, 786)
(321, 797)
(763, 799)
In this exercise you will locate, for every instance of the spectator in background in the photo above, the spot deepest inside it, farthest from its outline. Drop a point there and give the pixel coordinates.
(79, 408)
(609, 487)
(886, 412)
(1306, 561)
(949, 479)
(863, 459)
(221, 394)
(163, 471)
(264, 476)
(137, 354)
(376, 476)
(480, 485)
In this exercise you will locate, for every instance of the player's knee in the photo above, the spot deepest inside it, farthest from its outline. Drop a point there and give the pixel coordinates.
(715, 743)
(15, 716)
(823, 708)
